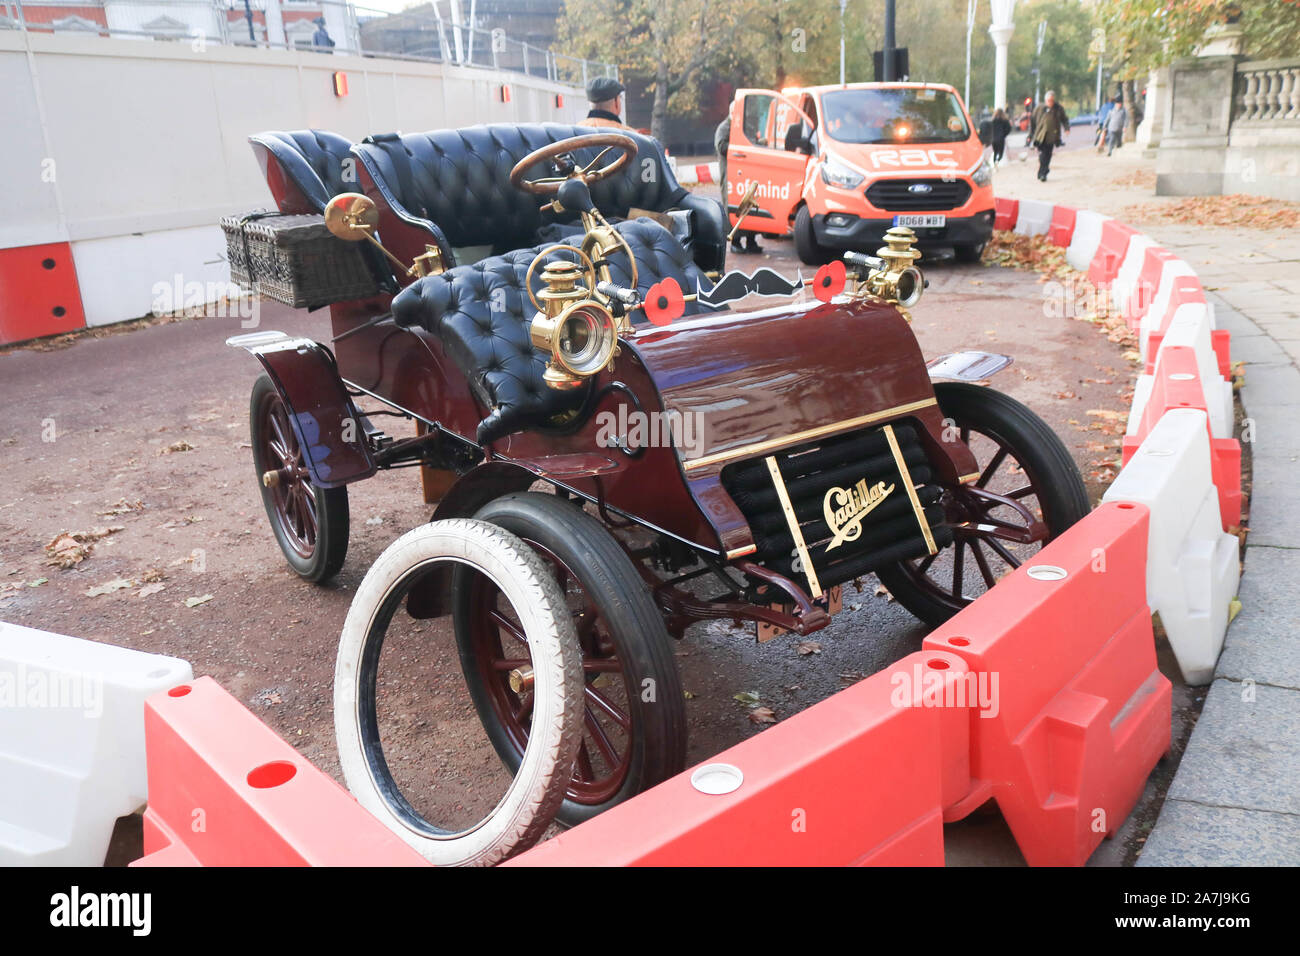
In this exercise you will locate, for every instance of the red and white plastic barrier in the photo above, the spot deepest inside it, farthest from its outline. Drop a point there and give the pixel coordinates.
(1034, 217)
(225, 790)
(1084, 239)
(691, 174)
(1057, 716)
(1192, 568)
(859, 779)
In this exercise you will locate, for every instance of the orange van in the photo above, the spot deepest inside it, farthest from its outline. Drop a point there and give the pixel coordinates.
(838, 165)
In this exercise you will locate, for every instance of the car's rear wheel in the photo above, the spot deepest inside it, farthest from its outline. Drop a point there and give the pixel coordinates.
(310, 523)
(634, 722)
(805, 240)
(1028, 492)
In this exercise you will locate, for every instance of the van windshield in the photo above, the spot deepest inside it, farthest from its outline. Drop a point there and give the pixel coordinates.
(893, 116)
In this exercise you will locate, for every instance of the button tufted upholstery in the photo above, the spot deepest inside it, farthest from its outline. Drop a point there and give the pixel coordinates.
(313, 159)
(481, 313)
(456, 182)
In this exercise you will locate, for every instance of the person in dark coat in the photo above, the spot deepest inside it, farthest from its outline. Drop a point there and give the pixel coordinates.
(321, 39)
(1049, 126)
(999, 130)
(721, 139)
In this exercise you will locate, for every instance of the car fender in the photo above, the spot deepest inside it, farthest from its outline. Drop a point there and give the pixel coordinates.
(969, 366)
(325, 421)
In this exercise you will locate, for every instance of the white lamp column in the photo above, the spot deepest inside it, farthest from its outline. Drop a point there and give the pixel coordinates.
(1000, 30)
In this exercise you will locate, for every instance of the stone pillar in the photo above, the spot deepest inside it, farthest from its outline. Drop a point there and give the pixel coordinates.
(1153, 120)
(1000, 30)
(1194, 145)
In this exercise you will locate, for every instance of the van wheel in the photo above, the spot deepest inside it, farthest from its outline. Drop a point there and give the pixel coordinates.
(805, 243)
(969, 251)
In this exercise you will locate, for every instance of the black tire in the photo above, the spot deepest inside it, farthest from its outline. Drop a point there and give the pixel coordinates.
(1046, 463)
(969, 251)
(655, 745)
(805, 241)
(315, 553)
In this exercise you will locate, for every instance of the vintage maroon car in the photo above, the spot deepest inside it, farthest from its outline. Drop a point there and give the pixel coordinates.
(709, 454)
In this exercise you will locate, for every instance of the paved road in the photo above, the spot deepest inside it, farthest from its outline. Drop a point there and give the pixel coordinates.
(115, 403)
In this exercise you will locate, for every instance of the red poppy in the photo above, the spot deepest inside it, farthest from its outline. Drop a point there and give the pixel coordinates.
(829, 281)
(664, 302)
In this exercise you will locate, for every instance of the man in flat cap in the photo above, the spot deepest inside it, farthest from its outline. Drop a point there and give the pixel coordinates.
(606, 96)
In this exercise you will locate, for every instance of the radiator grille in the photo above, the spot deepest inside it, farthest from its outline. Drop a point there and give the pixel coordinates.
(871, 522)
(897, 195)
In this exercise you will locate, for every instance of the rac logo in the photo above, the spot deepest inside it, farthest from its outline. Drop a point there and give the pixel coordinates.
(912, 158)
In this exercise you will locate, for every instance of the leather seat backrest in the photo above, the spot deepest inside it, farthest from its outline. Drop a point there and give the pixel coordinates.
(318, 162)
(459, 179)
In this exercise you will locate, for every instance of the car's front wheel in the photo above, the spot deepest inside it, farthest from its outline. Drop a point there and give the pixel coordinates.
(1027, 493)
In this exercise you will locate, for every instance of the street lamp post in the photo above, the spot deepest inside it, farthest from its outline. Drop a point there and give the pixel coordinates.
(843, 3)
(970, 28)
(888, 63)
(1038, 60)
(1001, 30)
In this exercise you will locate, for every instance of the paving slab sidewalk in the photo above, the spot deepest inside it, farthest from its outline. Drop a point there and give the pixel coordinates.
(1235, 800)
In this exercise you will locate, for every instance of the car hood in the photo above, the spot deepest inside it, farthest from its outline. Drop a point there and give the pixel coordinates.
(745, 384)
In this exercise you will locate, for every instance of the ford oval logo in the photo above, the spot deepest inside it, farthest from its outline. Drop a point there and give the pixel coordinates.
(920, 188)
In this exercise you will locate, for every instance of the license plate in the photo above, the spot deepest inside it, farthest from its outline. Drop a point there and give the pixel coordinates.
(832, 601)
(926, 222)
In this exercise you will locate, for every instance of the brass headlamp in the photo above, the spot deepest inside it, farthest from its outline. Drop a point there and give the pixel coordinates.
(890, 274)
(578, 333)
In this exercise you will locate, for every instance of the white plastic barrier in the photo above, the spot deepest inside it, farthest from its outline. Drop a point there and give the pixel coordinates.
(72, 756)
(693, 174)
(1190, 326)
(1085, 239)
(1153, 318)
(1192, 567)
(1034, 218)
(1130, 270)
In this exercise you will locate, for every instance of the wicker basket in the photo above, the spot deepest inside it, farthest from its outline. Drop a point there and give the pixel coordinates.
(295, 260)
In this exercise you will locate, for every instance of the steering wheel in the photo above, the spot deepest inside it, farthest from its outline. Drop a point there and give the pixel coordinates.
(550, 185)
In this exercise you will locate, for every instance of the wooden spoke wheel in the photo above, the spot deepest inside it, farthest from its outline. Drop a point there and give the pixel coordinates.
(310, 523)
(634, 718)
(1028, 492)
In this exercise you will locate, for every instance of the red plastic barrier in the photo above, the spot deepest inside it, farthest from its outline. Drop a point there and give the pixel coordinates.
(1220, 341)
(861, 778)
(39, 289)
(1005, 213)
(1061, 231)
(225, 790)
(1083, 712)
(1169, 392)
(1144, 292)
(1110, 252)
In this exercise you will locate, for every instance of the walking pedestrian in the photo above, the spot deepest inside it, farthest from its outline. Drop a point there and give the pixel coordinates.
(1115, 123)
(1099, 139)
(999, 130)
(1049, 126)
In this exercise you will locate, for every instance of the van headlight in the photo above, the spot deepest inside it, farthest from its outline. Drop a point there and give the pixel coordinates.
(983, 174)
(837, 174)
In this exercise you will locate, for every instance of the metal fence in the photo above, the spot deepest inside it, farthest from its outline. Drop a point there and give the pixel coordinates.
(419, 34)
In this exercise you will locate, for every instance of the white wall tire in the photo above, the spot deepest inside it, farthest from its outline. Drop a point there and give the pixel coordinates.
(532, 799)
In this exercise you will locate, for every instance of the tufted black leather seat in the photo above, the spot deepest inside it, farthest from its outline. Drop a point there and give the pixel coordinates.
(456, 184)
(314, 159)
(481, 313)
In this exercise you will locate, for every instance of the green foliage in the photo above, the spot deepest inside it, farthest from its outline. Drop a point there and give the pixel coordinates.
(1143, 34)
